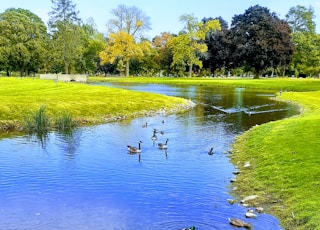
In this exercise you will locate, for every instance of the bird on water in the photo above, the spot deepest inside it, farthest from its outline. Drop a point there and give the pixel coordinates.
(133, 149)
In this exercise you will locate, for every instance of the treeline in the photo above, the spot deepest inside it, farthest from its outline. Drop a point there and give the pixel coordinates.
(257, 43)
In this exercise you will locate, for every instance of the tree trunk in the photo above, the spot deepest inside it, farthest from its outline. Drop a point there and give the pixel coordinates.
(127, 67)
(66, 68)
(21, 71)
(190, 70)
(284, 71)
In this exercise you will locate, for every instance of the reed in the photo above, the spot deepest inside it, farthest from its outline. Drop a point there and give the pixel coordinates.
(38, 121)
(65, 122)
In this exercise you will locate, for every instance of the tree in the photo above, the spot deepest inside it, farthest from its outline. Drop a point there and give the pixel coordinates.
(306, 59)
(120, 46)
(66, 33)
(260, 40)
(131, 20)
(93, 43)
(146, 64)
(22, 41)
(165, 55)
(217, 43)
(189, 45)
(300, 19)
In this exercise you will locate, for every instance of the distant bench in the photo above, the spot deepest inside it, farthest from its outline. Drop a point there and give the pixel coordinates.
(65, 77)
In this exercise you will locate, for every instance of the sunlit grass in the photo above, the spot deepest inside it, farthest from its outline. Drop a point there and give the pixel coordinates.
(285, 164)
(281, 84)
(87, 104)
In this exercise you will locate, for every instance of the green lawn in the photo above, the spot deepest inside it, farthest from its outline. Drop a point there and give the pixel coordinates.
(86, 103)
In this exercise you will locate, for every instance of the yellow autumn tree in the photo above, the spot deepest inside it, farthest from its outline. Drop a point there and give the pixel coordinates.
(120, 46)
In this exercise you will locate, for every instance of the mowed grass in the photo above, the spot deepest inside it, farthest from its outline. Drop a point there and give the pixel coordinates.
(86, 103)
(283, 84)
(284, 155)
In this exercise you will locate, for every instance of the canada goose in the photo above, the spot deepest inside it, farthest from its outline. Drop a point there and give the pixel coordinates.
(239, 223)
(163, 145)
(133, 149)
(210, 151)
(154, 136)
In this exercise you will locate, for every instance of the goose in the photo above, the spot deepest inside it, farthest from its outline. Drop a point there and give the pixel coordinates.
(210, 151)
(163, 145)
(239, 223)
(133, 149)
(154, 136)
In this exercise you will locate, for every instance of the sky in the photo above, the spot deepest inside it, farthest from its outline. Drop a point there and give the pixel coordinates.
(164, 14)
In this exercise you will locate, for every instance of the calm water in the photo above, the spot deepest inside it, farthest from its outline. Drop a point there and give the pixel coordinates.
(88, 180)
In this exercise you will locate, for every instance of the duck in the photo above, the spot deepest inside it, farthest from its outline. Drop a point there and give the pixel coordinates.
(239, 223)
(210, 151)
(163, 145)
(133, 149)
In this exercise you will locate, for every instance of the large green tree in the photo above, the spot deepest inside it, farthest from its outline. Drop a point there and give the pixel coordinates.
(306, 58)
(22, 41)
(300, 19)
(66, 33)
(93, 43)
(260, 40)
(188, 45)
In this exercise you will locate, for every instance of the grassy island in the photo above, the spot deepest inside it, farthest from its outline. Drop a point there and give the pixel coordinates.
(86, 103)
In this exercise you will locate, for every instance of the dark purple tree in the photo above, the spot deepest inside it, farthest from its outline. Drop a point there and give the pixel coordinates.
(259, 39)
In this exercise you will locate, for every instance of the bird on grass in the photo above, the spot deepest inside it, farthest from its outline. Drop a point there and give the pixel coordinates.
(163, 145)
(133, 149)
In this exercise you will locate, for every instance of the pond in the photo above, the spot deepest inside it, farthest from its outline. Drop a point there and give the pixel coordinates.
(88, 179)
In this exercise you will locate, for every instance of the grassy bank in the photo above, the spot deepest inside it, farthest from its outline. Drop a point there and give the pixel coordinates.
(284, 158)
(87, 104)
(284, 84)
(284, 155)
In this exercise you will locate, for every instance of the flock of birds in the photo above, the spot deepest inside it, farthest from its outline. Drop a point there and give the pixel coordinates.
(137, 149)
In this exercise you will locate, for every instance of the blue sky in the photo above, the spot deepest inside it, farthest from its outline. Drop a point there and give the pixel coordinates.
(164, 14)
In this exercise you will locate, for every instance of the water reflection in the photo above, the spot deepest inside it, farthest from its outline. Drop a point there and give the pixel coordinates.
(88, 180)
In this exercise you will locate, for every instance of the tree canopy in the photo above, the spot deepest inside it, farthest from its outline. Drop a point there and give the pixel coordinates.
(257, 42)
(22, 41)
(131, 20)
(260, 40)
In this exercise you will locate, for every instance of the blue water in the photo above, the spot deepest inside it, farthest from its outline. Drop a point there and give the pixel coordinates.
(88, 180)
